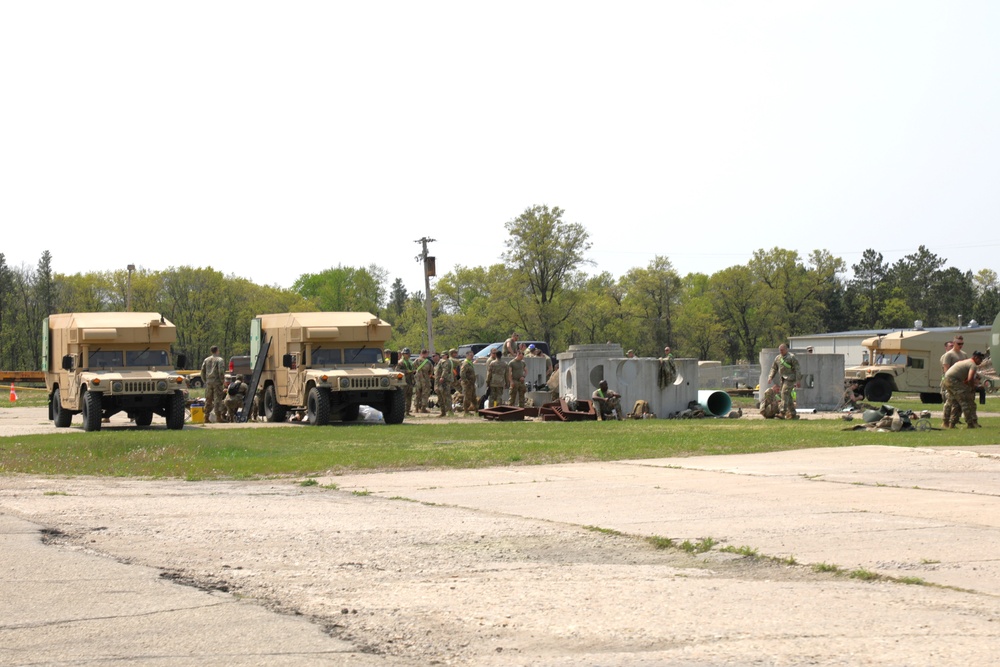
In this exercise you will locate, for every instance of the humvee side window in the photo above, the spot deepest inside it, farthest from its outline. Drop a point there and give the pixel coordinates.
(146, 358)
(105, 359)
(327, 356)
(363, 355)
(915, 363)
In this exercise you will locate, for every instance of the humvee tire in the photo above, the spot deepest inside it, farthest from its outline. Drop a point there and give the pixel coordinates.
(878, 390)
(91, 411)
(175, 412)
(143, 417)
(395, 407)
(62, 418)
(350, 413)
(273, 411)
(318, 406)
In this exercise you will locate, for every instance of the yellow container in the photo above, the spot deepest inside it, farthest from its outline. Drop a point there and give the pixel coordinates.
(197, 414)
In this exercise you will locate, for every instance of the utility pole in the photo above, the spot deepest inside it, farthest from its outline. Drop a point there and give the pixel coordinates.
(429, 270)
(128, 291)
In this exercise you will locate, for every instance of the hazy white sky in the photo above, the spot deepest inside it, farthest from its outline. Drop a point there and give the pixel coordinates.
(269, 140)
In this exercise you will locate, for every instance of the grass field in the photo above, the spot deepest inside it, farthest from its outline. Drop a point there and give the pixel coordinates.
(303, 451)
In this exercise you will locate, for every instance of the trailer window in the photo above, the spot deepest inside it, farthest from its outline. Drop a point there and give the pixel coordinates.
(326, 356)
(363, 355)
(146, 358)
(105, 359)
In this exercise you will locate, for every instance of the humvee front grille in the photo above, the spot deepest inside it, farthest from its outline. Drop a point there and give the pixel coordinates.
(368, 382)
(139, 386)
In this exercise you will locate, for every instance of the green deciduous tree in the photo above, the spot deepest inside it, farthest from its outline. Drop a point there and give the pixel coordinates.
(543, 255)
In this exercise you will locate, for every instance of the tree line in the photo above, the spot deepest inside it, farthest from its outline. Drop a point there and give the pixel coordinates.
(540, 287)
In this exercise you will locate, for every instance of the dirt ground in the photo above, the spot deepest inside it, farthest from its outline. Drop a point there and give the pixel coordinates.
(424, 584)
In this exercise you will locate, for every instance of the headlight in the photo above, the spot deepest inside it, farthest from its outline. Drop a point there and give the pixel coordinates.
(345, 383)
(384, 382)
(161, 385)
(117, 386)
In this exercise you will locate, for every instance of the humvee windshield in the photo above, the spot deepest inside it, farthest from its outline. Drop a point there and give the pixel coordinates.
(362, 355)
(146, 358)
(326, 357)
(105, 358)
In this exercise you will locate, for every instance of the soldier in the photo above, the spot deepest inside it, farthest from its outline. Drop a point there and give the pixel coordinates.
(606, 403)
(213, 374)
(422, 382)
(537, 352)
(444, 374)
(630, 354)
(235, 397)
(468, 376)
(405, 366)
(516, 370)
(668, 369)
(496, 377)
(386, 355)
(510, 345)
(953, 354)
(961, 381)
(258, 400)
(786, 369)
(769, 405)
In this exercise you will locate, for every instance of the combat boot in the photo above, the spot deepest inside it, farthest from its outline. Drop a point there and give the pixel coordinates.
(972, 423)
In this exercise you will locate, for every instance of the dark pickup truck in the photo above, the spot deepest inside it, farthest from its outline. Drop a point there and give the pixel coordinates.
(240, 365)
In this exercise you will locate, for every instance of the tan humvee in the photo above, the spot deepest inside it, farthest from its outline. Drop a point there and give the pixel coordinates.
(910, 362)
(100, 364)
(327, 365)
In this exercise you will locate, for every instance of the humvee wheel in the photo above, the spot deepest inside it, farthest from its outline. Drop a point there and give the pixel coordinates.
(143, 417)
(318, 406)
(60, 417)
(923, 424)
(175, 412)
(91, 411)
(273, 411)
(395, 407)
(350, 413)
(878, 390)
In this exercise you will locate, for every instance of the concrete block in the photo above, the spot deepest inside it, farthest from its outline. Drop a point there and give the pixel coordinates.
(822, 378)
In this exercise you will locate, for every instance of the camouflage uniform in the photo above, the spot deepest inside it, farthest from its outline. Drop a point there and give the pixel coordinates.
(786, 367)
(516, 370)
(537, 352)
(607, 404)
(422, 383)
(213, 373)
(468, 376)
(769, 405)
(949, 359)
(962, 393)
(405, 366)
(234, 401)
(496, 380)
(444, 374)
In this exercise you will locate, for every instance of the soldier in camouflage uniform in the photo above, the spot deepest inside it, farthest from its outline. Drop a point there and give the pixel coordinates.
(422, 382)
(235, 397)
(468, 375)
(769, 405)
(785, 368)
(961, 381)
(444, 375)
(537, 352)
(496, 377)
(213, 374)
(405, 366)
(516, 370)
(953, 354)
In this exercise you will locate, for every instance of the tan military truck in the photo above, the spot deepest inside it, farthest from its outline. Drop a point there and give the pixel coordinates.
(100, 364)
(325, 365)
(910, 361)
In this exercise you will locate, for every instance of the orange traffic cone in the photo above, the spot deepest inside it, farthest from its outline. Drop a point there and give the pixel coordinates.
(13, 394)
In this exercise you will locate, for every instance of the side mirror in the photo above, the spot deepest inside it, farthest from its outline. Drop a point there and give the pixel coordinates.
(67, 362)
(394, 358)
(182, 361)
(286, 361)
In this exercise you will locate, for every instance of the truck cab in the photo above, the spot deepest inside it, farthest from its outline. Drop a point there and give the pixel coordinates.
(325, 366)
(100, 364)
